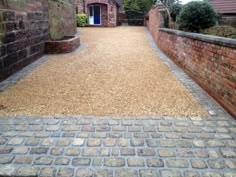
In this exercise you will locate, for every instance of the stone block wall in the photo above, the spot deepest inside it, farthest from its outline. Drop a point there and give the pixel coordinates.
(23, 30)
(25, 25)
(62, 18)
(209, 60)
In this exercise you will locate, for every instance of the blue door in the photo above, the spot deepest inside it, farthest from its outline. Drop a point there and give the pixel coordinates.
(97, 15)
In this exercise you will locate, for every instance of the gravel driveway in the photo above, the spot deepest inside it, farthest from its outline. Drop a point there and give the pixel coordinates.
(115, 73)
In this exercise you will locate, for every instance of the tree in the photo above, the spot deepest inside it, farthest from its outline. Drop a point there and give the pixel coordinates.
(168, 3)
(138, 5)
(175, 11)
(196, 15)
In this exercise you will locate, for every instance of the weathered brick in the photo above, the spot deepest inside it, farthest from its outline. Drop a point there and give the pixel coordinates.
(123, 142)
(78, 142)
(166, 153)
(99, 135)
(146, 152)
(20, 150)
(228, 153)
(47, 142)
(198, 164)
(103, 173)
(211, 174)
(126, 173)
(63, 142)
(191, 173)
(177, 163)
(127, 151)
(62, 161)
(151, 143)
(82, 172)
(47, 171)
(154, 162)
(174, 173)
(6, 159)
(23, 160)
(110, 142)
(90, 152)
(27, 171)
(94, 142)
(114, 162)
(43, 160)
(72, 152)
(216, 164)
(39, 150)
(57, 151)
(135, 162)
(16, 141)
(230, 163)
(136, 142)
(64, 171)
(148, 173)
(81, 161)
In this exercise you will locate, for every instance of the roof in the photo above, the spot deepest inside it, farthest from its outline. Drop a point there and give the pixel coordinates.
(224, 6)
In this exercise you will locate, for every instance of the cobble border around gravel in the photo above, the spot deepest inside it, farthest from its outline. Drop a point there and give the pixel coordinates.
(213, 108)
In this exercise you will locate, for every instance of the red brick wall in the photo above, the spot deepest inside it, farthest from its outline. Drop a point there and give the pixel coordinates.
(111, 11)
(210, 61)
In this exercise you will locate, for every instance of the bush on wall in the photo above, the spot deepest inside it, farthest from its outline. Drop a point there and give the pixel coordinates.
(196, 16)
(82, 20)
(222, 31)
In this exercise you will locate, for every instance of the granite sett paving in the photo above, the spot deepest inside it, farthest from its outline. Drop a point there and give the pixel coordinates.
(29, 146)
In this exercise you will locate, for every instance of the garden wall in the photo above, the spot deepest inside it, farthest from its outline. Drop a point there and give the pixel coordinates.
(209, 60)
(23, 29)
(62, 18)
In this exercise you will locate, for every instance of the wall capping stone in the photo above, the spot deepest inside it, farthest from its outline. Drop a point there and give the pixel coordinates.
(227, 42)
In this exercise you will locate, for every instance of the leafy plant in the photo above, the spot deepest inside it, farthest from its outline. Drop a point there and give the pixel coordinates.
(169, 3)
(138, 5)
(175, 11)
(196, 16)
(82, 20)
(222, 31)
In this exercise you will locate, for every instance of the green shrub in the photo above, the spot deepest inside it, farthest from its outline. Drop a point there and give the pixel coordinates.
(222, 31)
(82, 20)
(196, 16)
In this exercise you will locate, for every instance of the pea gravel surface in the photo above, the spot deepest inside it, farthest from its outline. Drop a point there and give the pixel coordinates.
(116, 73)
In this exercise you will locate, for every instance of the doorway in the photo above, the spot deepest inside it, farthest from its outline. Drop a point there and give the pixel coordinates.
(95, 15)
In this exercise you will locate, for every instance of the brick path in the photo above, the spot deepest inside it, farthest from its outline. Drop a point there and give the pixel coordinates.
(77, 146)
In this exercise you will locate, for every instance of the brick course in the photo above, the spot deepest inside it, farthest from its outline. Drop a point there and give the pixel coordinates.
(209, 60)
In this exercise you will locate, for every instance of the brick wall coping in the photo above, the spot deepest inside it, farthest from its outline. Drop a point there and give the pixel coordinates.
(227, 42)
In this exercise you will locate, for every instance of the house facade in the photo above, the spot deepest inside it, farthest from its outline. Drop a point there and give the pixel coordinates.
(100, 12)
(227, 10)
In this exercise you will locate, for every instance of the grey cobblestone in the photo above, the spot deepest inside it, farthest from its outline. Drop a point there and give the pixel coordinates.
(102, 153)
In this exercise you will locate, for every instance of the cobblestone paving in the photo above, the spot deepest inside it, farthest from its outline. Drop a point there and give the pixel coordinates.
(87, 146)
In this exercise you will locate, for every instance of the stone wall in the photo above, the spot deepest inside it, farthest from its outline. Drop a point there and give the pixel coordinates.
(61, 18)
(23, 30)
(25, 25)
(209, 60)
